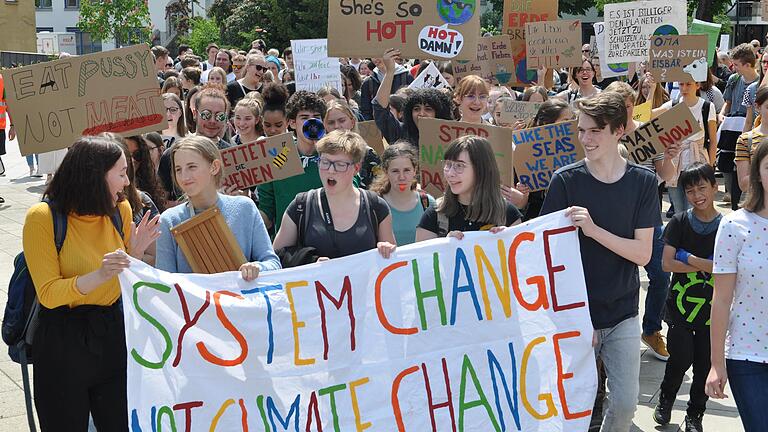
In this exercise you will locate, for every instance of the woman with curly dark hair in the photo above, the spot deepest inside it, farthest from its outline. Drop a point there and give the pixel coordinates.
(429, 103)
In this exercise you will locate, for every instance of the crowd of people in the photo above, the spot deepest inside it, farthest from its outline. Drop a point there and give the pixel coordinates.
(706, 270)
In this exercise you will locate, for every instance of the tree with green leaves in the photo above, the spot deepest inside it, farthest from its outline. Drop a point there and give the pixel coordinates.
(202, 32)
(275, 21)
(126, 21)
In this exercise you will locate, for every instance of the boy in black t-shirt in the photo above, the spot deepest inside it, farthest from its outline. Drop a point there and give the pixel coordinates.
(690, 243)
(614, 204)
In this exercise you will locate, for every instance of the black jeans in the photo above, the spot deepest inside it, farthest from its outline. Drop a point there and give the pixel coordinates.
(687, 347)
(80, 368)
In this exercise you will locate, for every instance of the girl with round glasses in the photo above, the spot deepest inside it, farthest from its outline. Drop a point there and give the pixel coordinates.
(471, 97)
(472, 200)
(338, 219)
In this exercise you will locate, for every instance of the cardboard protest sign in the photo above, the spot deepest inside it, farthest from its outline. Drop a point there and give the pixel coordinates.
(372, 135)
(678, 58)
(653, 137)
(630, 25)
(430, 77)
(725, 42)
(56, 102)
(764, 6)
(553, 44)
(261, 161)
(515, 15)
(494, 61)
(712, 31)
(312, 66)
(606, 70)
(434, 137)
(642, 112)
(514, 110)
(542, 150)
(441, 29)
(362, 343)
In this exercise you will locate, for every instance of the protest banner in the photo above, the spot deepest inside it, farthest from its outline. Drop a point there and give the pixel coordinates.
(515, 15)
(606, 70)
(653, 137)
(542, 150)
(445, 29)
(312, 66)
(513, 110)
(434, 137)
(630, 25)
(712, 30)
(490, 333)
(678, 58)
(261, 161)
(642, 112)
(54, 103)
(494, 61)
(553, 44)
(725, 42)
(430, 77)
(372, 135)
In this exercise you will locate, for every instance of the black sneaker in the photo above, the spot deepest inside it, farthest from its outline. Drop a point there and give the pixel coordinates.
(662, 414)
(693, 423)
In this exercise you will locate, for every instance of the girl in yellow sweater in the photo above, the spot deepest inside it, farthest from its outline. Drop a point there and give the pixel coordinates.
(80, 354)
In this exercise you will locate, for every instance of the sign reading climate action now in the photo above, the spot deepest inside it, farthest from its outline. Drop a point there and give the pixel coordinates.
(489, 333)
(56, 102)
(439, 29)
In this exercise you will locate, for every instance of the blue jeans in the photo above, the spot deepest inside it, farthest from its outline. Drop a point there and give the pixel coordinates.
(32, 160)
(677, 198)
(658, 285)
(748, 383)
(619, 349)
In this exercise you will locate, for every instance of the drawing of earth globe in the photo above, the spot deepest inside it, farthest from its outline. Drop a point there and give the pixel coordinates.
(618, 67)
(456, 11)
(666, 29)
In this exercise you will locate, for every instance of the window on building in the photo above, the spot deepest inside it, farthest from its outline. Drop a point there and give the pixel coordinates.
(85, 44)
(43, 29)
(43, 4)
(71, 4)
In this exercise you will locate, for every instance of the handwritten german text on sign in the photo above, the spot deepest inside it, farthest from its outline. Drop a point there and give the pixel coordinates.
(313, 68)
(514, 110)
(630, 25)
(472, 335)
(607, 70)
(434, 137)
(516, 14)
(553, 44)
(442, 29)
(261, 161)
(56, 102)
(653, 137)
(678, 58)
(494, 61)
(542, 150)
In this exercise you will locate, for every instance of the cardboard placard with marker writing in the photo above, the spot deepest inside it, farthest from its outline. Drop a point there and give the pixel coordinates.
(653, 137)
(437, 29)
(541, 151)
(261, 161)
(553, 44)
(514, 110)
(678, 58)
(435, 136)
(372, 135)
(494, 61)
(516, 14)
(56, 102)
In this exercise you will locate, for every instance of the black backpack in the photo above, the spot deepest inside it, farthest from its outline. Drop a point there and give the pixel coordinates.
(20, 319)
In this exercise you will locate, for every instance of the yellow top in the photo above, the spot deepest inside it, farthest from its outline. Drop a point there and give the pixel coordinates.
(745, 148)
(88, 239)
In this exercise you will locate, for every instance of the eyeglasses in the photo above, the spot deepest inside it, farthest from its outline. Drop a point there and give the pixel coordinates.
(474, 97)
(580, 70)
(220, 117)
(338, 166)
(457, 167)
(172, 110)
(260, 68)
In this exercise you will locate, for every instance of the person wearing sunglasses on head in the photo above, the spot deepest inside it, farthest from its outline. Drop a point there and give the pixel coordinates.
(252, 79)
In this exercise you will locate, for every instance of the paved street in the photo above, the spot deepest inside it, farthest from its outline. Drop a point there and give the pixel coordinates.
(21, 191)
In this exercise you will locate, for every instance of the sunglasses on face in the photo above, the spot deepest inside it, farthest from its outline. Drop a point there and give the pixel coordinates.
(220, 117)
(237, 66)
(260, 68)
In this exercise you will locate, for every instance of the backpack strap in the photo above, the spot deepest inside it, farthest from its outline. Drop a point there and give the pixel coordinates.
(705, 119)
(424, 198)
(301, 209)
